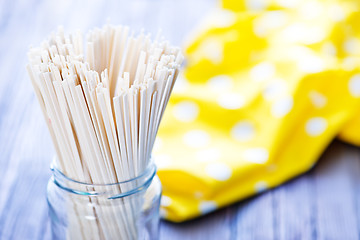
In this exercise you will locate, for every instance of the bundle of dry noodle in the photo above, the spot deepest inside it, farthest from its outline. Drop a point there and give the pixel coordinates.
(103, 108)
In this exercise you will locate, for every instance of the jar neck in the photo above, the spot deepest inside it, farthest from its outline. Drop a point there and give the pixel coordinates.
(108, 190)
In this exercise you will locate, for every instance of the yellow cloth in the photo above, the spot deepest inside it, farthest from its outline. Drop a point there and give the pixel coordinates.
(267, 86)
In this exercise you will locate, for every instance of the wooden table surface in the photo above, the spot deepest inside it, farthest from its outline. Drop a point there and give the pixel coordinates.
(322, 204)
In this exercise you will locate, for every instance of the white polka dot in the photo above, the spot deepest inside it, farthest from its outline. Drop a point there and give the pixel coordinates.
(311, 64)
(315, 126)
(213, 50)
(231, 101)
(220, 83)
(256, 155)
(329, 49)
(165, 201)
(281, 107)
(349, 63)
(311, 10)
(317, 99)
(163, 213)
(208, 155)
(198, 194)
(306, 59)
(243, 131)
(256, 5)
(261, 186)
(337, 13)
(302, 33)
(269, 21)
(288, 3)
(207, 206)
(222, 18)
(354, 85)
(262, 71)
(218, 171)
(274, 89)
(181, 85)
(162, 161)
(196, 138)
(352, 46)
(186, 111)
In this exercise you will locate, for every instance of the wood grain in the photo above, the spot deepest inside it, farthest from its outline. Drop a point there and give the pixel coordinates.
(322, 204)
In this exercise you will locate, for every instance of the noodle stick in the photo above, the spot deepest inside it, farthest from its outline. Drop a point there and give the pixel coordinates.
(121, 137)
(142, 127)
(106, 149)
(103, 108)
(90, 58)
(52, 118)
(109, 134)
(43, 109)
(134, 127)
(127, 127)
(71, 138)
(151, 122)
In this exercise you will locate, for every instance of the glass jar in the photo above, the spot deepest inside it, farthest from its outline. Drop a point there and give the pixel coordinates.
(124, 210)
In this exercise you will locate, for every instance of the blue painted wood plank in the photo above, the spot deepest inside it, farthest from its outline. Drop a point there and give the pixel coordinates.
(353, 156)
(296, 209)
(211, 227)
(335, 197)
(255, 218)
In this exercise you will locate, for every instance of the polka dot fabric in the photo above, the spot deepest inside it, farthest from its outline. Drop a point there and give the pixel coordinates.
(267, 86)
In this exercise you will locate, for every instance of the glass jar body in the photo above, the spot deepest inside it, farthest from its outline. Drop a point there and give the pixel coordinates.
(126, 210)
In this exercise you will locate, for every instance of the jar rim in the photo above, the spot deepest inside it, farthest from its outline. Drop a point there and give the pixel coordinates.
(142, 180)
(150, 168)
